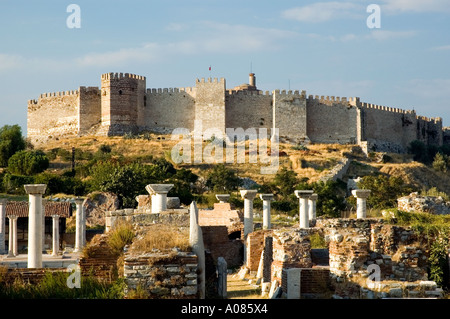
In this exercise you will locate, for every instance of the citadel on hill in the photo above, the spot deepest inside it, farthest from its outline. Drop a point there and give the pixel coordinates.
(124, 104)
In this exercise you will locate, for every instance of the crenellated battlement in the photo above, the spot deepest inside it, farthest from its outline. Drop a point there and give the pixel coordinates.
(435, 120)
(58, 94)
(119, 76)
(386, 108)
(330, 100)
(248, 93)
(210, 80)
(290, 93)
(89, 89)
(170, 90)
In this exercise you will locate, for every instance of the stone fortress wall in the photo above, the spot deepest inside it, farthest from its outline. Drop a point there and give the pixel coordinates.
(124, 104)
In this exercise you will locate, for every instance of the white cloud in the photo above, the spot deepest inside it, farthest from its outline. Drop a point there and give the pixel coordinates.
(382, 35)
(9, 61)
(399, 6)
(323, 11)
(211, 38)
(441, 48)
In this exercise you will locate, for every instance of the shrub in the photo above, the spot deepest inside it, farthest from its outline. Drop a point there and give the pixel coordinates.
(28, 163)
(11, 141)
(222, 179)
(13, 184)
(122, 234)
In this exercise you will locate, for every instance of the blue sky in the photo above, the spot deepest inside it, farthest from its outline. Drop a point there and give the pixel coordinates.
(325, 48)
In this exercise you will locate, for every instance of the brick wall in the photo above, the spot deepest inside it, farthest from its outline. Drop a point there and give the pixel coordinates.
(216, 240)
(99, 260)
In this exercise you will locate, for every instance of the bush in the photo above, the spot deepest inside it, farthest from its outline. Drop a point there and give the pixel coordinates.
(222, 179)
(61, 184)
(13, 184)
(122, 234)
(28, 163)
(11, 141)
(384, 190)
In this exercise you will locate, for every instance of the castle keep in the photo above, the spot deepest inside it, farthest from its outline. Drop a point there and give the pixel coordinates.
(124, 104)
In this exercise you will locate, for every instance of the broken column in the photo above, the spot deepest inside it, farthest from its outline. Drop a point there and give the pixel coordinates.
(312, 207)
(361, 198)
(12, 242)
(223, 198)
(35, 192)
(80, 234)
(303, 196)
(248, 196)
(2, 225)
(222, 277)
(266, 198)
(198, 248)
(158, 193)
(55, 235)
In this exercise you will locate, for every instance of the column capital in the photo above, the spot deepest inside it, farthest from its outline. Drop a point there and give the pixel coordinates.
(313, 197)
(79, 201)
(223, 198)
(266, 196)
(153, 189)
(35, 189)
(303, 193)
(248, 193)
(55, 216)
(361, 193)
(12, 216)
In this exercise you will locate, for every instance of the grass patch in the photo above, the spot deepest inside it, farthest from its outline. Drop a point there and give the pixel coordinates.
(162, 237)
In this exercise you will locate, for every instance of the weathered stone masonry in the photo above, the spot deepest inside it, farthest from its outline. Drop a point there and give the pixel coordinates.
(123, 104)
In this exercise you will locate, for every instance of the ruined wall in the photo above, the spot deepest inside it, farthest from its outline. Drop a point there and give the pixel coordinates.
(291, 248)
(289, 115)
(249, 109)
(162, 275)
(331, 120)
(210, 104)
(167, 109)
(387, 129)
(53, 115)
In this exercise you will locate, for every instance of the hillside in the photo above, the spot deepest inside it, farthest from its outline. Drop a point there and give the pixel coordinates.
(312, 162)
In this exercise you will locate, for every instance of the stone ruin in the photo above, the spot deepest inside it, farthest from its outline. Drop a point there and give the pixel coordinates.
(363, 258)
(426, 204)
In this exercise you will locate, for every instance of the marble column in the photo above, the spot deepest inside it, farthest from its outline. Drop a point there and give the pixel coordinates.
(12, 242)
(55, 235)
(303, 196)
(79, 228)
(2, 226)
(361, 199)
(266, 198)
(158, 193)
(35, 192)
(44, 201)
(198, 248)
(312, 207)
(248, 196)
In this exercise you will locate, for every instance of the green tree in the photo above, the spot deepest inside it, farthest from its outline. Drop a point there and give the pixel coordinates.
(285, 181)
(11, 141)
(28, 163)
(384, 190)
(440, 162)
(222, 178)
